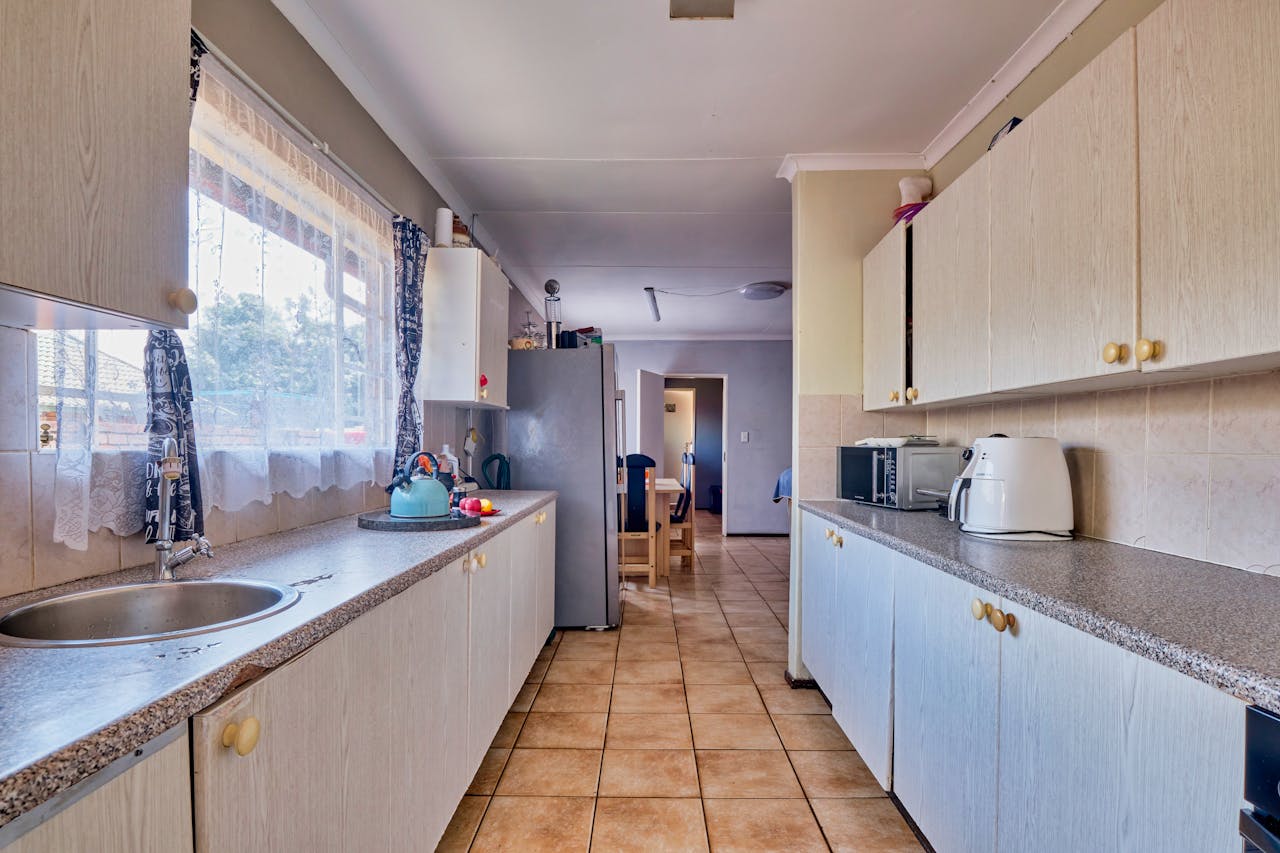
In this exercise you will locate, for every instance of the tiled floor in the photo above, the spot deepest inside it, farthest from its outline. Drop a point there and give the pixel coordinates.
(678, 731)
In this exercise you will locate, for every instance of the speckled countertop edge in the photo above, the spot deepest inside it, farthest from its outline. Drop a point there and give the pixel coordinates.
(1241, 680)
(84, 753)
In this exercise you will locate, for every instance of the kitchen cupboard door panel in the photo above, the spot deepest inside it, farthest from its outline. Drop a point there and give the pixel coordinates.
(523, 539)
(864, 707)
(950, 299)
(884, 322)
(495, 298)
(817, 600)
(945, 701)
(368, 738)
(490, 646)
(1065, 700)
(546, 575)
(146, 809)
(1208, 121)
(94, 161)
(456, 771)
(1064, 230)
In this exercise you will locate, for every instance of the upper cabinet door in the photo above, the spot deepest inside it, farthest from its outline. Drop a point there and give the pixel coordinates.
(950, 299)
(1064, 231)
(884, 322)
(1208, 121)
(464, 329)
(94, 162)
(495, 300)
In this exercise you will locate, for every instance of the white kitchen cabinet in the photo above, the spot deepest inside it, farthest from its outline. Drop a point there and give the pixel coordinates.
(818, 599)
(464, 329)
(950, 299)
(144, 809)
(524, 641)
(946, 681)
(1100, 749)
(1208, 120)
(884, 322)
(1064, 231)
(862, 703)
(546, 621)
(489, 670)
(94, 95)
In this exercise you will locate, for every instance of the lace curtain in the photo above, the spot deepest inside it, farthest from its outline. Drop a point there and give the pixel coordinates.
(291, 352)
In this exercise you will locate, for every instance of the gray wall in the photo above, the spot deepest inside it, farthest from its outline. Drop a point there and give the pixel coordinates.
(758, 398)
(708, 430)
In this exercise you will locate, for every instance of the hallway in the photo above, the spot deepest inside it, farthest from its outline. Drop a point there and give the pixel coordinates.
(678, 731)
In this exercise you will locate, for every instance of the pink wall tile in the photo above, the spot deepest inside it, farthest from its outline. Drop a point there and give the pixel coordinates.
(1039, 417)
(1122, 421)
(1080, 466)
(1118, 506)
(1179, 418)
(905, 421)
(1078, 420)
(978, 422)
(1006, 418)
(816, 475)
(1177, 504)
(1244, 511)
(1246, 414)
(855, 424)
(819, 424)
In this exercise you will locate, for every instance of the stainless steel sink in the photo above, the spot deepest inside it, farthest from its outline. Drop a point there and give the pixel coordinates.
(143, 612)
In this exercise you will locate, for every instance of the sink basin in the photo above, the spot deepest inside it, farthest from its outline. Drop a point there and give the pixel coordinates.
(143, 612)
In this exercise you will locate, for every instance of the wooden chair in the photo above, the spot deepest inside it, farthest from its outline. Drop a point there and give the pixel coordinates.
(681, 541)
(639, 520)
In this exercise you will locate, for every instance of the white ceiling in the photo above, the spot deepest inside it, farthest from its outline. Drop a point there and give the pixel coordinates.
(612, 149)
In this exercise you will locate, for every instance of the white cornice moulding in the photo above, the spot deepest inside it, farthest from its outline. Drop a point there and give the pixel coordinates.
(793, 163)
(1053, 31)
(309, 25)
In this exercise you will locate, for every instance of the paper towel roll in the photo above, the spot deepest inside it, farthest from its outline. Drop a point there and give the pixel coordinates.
(443, 235)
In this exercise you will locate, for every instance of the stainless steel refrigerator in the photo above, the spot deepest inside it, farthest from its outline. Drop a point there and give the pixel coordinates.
(563, 429)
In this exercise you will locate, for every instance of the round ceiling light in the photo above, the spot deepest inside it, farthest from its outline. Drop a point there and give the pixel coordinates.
(761, 290)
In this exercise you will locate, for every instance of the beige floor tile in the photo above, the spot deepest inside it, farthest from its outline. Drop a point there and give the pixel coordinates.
(648, 634)
(763, 652)
(762, 826)
(734, 731)
(648, 651)
(550, 773)
(757, 606)
(539, 669)
(810, 731)
(649, 773)
(751, 620)
(713, 651)
(583, 698)
(486, 778)
(772, 634)
(716, 634)
(865, 826)
(562, 731)
(524, 699)
(648, 672)
(572, 639)
(743, 592)
(746, 773)
(647, 618)
(536, 825)
(462, 828)
(648, 826)
(723, 699)
(785, 700)
(716, 672)
(648, 699)
(587, 651)
(768, 673)
(580, 672)
(833, 774)
(649, 731)
(506, 736)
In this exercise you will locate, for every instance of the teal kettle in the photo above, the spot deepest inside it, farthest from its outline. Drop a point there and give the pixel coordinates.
(417, 493)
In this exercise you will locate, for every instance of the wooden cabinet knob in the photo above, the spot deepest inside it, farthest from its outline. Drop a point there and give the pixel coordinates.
(482, 560)
(830, 532)
(913, 393)
(1113, 353)
(243, 735)
(184, 300)
(998, 620)
(893, 396)
(484, 393)
(839, 541)
(1147, 350)
(977, 608)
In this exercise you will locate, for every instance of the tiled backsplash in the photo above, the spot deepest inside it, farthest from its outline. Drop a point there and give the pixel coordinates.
(1190, 469)
(29, 558)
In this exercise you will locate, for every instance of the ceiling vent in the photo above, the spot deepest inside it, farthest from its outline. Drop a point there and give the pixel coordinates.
(701, 10)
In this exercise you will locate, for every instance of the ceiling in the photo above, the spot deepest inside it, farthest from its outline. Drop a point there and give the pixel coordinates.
(603, 145)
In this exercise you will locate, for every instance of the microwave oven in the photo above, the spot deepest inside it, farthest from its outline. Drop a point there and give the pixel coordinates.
(895, 476)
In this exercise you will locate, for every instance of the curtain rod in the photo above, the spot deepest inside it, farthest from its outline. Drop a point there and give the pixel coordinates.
(316, 142)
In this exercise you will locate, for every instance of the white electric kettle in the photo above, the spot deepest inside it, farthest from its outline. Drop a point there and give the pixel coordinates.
(1014, 488)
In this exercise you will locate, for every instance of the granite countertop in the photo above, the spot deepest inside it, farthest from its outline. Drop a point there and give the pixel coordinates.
(67, 713)
(1211, 622)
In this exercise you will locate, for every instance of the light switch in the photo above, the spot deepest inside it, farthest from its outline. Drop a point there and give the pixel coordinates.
(746, 436)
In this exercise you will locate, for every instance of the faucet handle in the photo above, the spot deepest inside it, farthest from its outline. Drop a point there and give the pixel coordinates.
(202, 547)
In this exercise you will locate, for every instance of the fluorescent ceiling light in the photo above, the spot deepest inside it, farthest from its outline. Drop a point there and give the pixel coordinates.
(653, 304)
(699, 10)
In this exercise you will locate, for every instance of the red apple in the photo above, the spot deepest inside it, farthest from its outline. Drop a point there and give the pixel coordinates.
(470, 504)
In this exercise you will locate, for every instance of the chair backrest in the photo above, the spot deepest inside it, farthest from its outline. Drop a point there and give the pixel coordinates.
(635, 514)
(685, 502)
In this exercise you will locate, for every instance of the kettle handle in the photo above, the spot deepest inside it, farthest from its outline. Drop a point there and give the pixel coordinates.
(958, 487)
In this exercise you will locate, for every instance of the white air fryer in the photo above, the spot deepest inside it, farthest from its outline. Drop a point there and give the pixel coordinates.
(1014, 488)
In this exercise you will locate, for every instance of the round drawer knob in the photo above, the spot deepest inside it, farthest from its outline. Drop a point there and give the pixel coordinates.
(893, 396)
(1147, 350)
(482, 560)
(243, 735)
(977, 608)
(830, 532)
(913, 393)
(184, 300)
(998, 620)
(1113, 353)
(484, 393)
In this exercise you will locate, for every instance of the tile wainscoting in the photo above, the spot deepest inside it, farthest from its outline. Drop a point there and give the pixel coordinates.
(1191, 469)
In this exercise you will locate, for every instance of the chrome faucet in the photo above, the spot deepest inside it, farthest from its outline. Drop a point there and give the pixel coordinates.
(166, 559)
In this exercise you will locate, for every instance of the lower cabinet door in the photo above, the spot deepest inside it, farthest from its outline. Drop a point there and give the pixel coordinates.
(1103, 750)
(489, 649)
(817, 599)
(546, 574)
(524, 601)
(945, 702)
(863, 700)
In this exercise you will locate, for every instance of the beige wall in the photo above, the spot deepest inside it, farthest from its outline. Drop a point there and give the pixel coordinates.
(265, 45)
(1097, 31)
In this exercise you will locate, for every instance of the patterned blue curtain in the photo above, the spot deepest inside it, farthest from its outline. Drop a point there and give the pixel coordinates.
(170, 413)
(410, 244)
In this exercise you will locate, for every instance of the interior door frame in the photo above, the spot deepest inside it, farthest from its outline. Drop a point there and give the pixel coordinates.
(724, 436)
